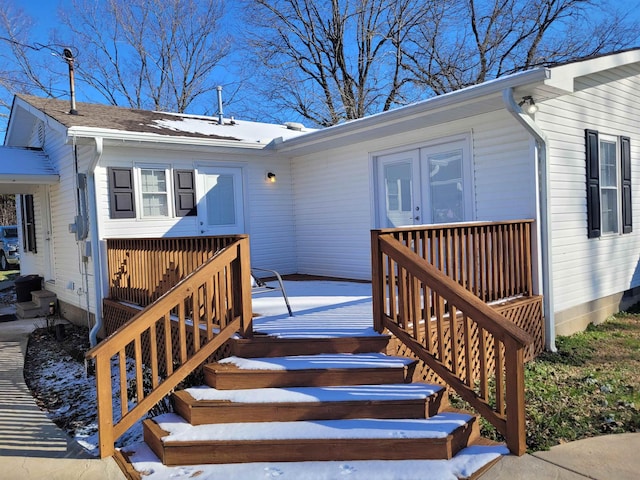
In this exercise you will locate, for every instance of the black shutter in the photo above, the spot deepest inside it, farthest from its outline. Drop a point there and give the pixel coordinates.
(121, 193)
(625, 158)
(593, 183)
(28, 224)
(184, 193)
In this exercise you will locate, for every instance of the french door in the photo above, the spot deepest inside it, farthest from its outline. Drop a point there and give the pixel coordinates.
(424, 186)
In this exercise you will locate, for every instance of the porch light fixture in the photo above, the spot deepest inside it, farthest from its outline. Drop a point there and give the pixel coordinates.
(271, 177)
(528, 105)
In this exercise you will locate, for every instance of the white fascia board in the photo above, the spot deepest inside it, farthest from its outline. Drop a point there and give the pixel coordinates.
(120, 136)
(30, 179)
(563, 76)
(441, 102)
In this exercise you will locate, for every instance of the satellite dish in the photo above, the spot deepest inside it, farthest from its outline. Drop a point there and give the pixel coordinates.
(68, 54)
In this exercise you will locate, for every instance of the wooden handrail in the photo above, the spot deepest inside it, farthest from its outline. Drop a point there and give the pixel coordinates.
(462, 339)
(491, 259)
(211, 304)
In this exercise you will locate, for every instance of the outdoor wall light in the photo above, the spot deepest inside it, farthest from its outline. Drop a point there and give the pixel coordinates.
(271, 177)
(528, 105)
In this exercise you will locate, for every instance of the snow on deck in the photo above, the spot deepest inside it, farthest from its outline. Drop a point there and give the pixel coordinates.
(321, 309)
(402, 391)
(322, 361)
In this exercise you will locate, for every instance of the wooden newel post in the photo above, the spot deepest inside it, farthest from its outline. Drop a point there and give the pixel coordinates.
(377, 280)
(244, 277)
(516, 421)
(104, 399)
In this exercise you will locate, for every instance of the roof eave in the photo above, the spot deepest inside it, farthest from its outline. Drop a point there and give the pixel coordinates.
(143, 137)
(536, 76)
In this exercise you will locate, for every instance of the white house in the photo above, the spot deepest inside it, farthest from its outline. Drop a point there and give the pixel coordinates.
(558, 145)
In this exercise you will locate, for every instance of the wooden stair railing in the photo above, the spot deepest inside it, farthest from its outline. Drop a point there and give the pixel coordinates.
(470, 346)
(212, 304)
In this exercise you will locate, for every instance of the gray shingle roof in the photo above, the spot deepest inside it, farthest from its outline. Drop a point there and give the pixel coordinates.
(118, 118)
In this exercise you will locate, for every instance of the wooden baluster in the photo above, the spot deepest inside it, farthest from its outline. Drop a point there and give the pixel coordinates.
(482, 354)
(439, 314)
(122, 373)
(153, 353)
(453, 333)
(393, 290)
(468, 351)
(168, 344)
(182, 328)
(208, 306)
(499, 377)
(138, 366)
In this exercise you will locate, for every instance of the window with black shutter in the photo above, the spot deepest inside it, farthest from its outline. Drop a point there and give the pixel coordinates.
(184, 193)
(121, 193)
(608, 166)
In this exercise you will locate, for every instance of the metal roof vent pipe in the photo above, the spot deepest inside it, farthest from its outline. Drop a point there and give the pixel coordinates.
(68, 57)
(220, 117)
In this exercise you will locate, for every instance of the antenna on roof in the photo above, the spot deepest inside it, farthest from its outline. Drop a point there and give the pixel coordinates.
(220, 117)
(68, 57)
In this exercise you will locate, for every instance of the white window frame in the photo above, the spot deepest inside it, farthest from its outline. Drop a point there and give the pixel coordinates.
(141, 193)
(610, 139)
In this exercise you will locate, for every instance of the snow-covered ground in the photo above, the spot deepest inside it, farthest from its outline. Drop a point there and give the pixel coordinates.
(321, 309)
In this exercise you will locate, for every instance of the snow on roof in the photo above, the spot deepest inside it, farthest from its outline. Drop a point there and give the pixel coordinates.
(109, 117)
(20, 166)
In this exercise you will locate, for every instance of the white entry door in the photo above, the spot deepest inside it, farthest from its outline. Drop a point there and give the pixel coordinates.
(220, 202)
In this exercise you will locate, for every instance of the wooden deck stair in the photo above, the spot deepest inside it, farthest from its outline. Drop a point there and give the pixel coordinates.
(314, 407)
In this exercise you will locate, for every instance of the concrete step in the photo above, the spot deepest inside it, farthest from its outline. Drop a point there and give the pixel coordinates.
(38, 306)
(42, 298)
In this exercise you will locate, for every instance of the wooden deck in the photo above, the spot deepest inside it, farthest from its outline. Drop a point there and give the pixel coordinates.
(458, 299)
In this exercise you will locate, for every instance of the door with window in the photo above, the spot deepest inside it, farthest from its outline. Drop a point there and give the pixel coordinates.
(424, 186)
(220, 202)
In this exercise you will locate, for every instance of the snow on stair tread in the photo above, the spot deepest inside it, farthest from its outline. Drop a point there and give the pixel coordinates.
(323, 361)
(436, 427)
(401, 391)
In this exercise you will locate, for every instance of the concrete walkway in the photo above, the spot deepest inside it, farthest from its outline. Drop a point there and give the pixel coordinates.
(32, 446)
(607, 457)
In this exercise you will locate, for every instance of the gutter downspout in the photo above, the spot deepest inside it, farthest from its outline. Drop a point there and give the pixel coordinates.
(95, 241)
(542, 148)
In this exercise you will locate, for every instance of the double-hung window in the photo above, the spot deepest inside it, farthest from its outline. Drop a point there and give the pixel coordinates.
(155, 193)
(608, 184)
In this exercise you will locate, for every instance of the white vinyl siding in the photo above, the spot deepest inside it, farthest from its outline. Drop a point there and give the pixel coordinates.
(588, 269)
(267, 207)
(334, 190)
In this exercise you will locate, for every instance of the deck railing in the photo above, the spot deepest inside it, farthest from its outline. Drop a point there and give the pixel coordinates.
(206, 308)
(143, 269)
(491, 259)
(437, 309)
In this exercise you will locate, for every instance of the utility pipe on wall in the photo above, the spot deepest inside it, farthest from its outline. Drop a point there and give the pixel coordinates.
(545, 214)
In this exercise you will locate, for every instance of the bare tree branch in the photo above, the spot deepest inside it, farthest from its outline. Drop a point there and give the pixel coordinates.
(160, 54)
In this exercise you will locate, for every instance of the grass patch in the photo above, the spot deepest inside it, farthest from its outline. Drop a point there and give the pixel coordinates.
(589, 387)
(9, 275)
